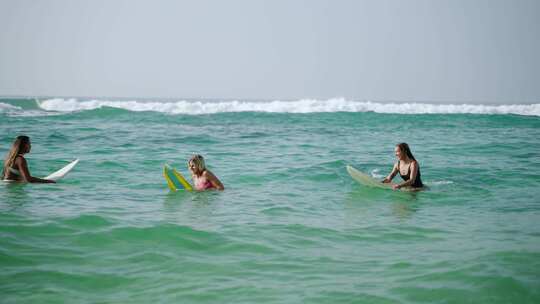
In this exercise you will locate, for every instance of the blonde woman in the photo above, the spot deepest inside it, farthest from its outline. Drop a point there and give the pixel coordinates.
(15, 166)
(203, 179)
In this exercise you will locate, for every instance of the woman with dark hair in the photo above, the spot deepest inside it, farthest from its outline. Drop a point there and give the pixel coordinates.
(15, 166)
(408, 169)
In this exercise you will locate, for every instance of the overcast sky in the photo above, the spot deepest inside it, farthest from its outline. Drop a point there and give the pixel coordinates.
(432, 50)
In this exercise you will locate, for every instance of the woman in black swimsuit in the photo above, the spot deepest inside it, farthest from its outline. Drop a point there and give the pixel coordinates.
(15, 166)
(408, 169)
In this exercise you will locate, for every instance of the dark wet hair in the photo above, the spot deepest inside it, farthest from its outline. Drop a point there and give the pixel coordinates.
(404, 147)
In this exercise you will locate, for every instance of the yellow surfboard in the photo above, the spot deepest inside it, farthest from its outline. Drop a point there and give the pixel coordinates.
(175, 180)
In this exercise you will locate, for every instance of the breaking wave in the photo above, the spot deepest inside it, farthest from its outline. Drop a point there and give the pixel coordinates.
(6, 108)
(277, 106)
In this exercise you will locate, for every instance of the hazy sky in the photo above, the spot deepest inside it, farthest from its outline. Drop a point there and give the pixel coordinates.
(432, 50)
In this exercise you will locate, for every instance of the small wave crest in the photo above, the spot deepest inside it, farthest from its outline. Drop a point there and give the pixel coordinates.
(16, 111)
(5, 107)
(439, 183)
(277, 106)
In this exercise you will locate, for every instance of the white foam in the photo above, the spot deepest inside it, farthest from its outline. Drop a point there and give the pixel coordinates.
(6, 107)
(375, 173)
(438, 183)
(14, 111)
(277, 106)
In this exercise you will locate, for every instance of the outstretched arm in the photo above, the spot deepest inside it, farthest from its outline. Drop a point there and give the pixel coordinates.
(214, 180)
(20, 162)
(392, 174)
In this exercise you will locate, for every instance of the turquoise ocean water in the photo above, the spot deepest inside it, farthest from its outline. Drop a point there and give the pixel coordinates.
(291, 226)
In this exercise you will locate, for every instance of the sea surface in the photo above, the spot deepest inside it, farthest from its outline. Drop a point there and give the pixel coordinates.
(291, 225)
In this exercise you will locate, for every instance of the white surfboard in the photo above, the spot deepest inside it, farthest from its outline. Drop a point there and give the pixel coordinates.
(367, 180)
(62, 172)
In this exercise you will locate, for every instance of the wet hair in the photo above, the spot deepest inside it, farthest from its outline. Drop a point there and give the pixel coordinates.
(404, 147)
(198, 161)
(16, 149)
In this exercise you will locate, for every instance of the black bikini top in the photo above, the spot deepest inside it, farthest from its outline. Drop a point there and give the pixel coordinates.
(417, 183)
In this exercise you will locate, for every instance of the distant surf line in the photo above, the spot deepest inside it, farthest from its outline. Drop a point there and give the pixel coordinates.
(277, 106)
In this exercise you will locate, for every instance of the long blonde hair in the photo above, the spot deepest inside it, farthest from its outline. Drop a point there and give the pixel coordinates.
(18, 145)
(198, 161)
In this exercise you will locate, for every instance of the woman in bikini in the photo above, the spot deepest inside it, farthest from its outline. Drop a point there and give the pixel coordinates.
(407, 167)
(203, 179)
(15, 166)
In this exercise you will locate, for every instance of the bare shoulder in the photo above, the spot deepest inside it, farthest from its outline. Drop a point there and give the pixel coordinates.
(19, 160)
(208, 174)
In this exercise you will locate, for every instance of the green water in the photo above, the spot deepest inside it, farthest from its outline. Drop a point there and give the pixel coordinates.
(291, 226)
